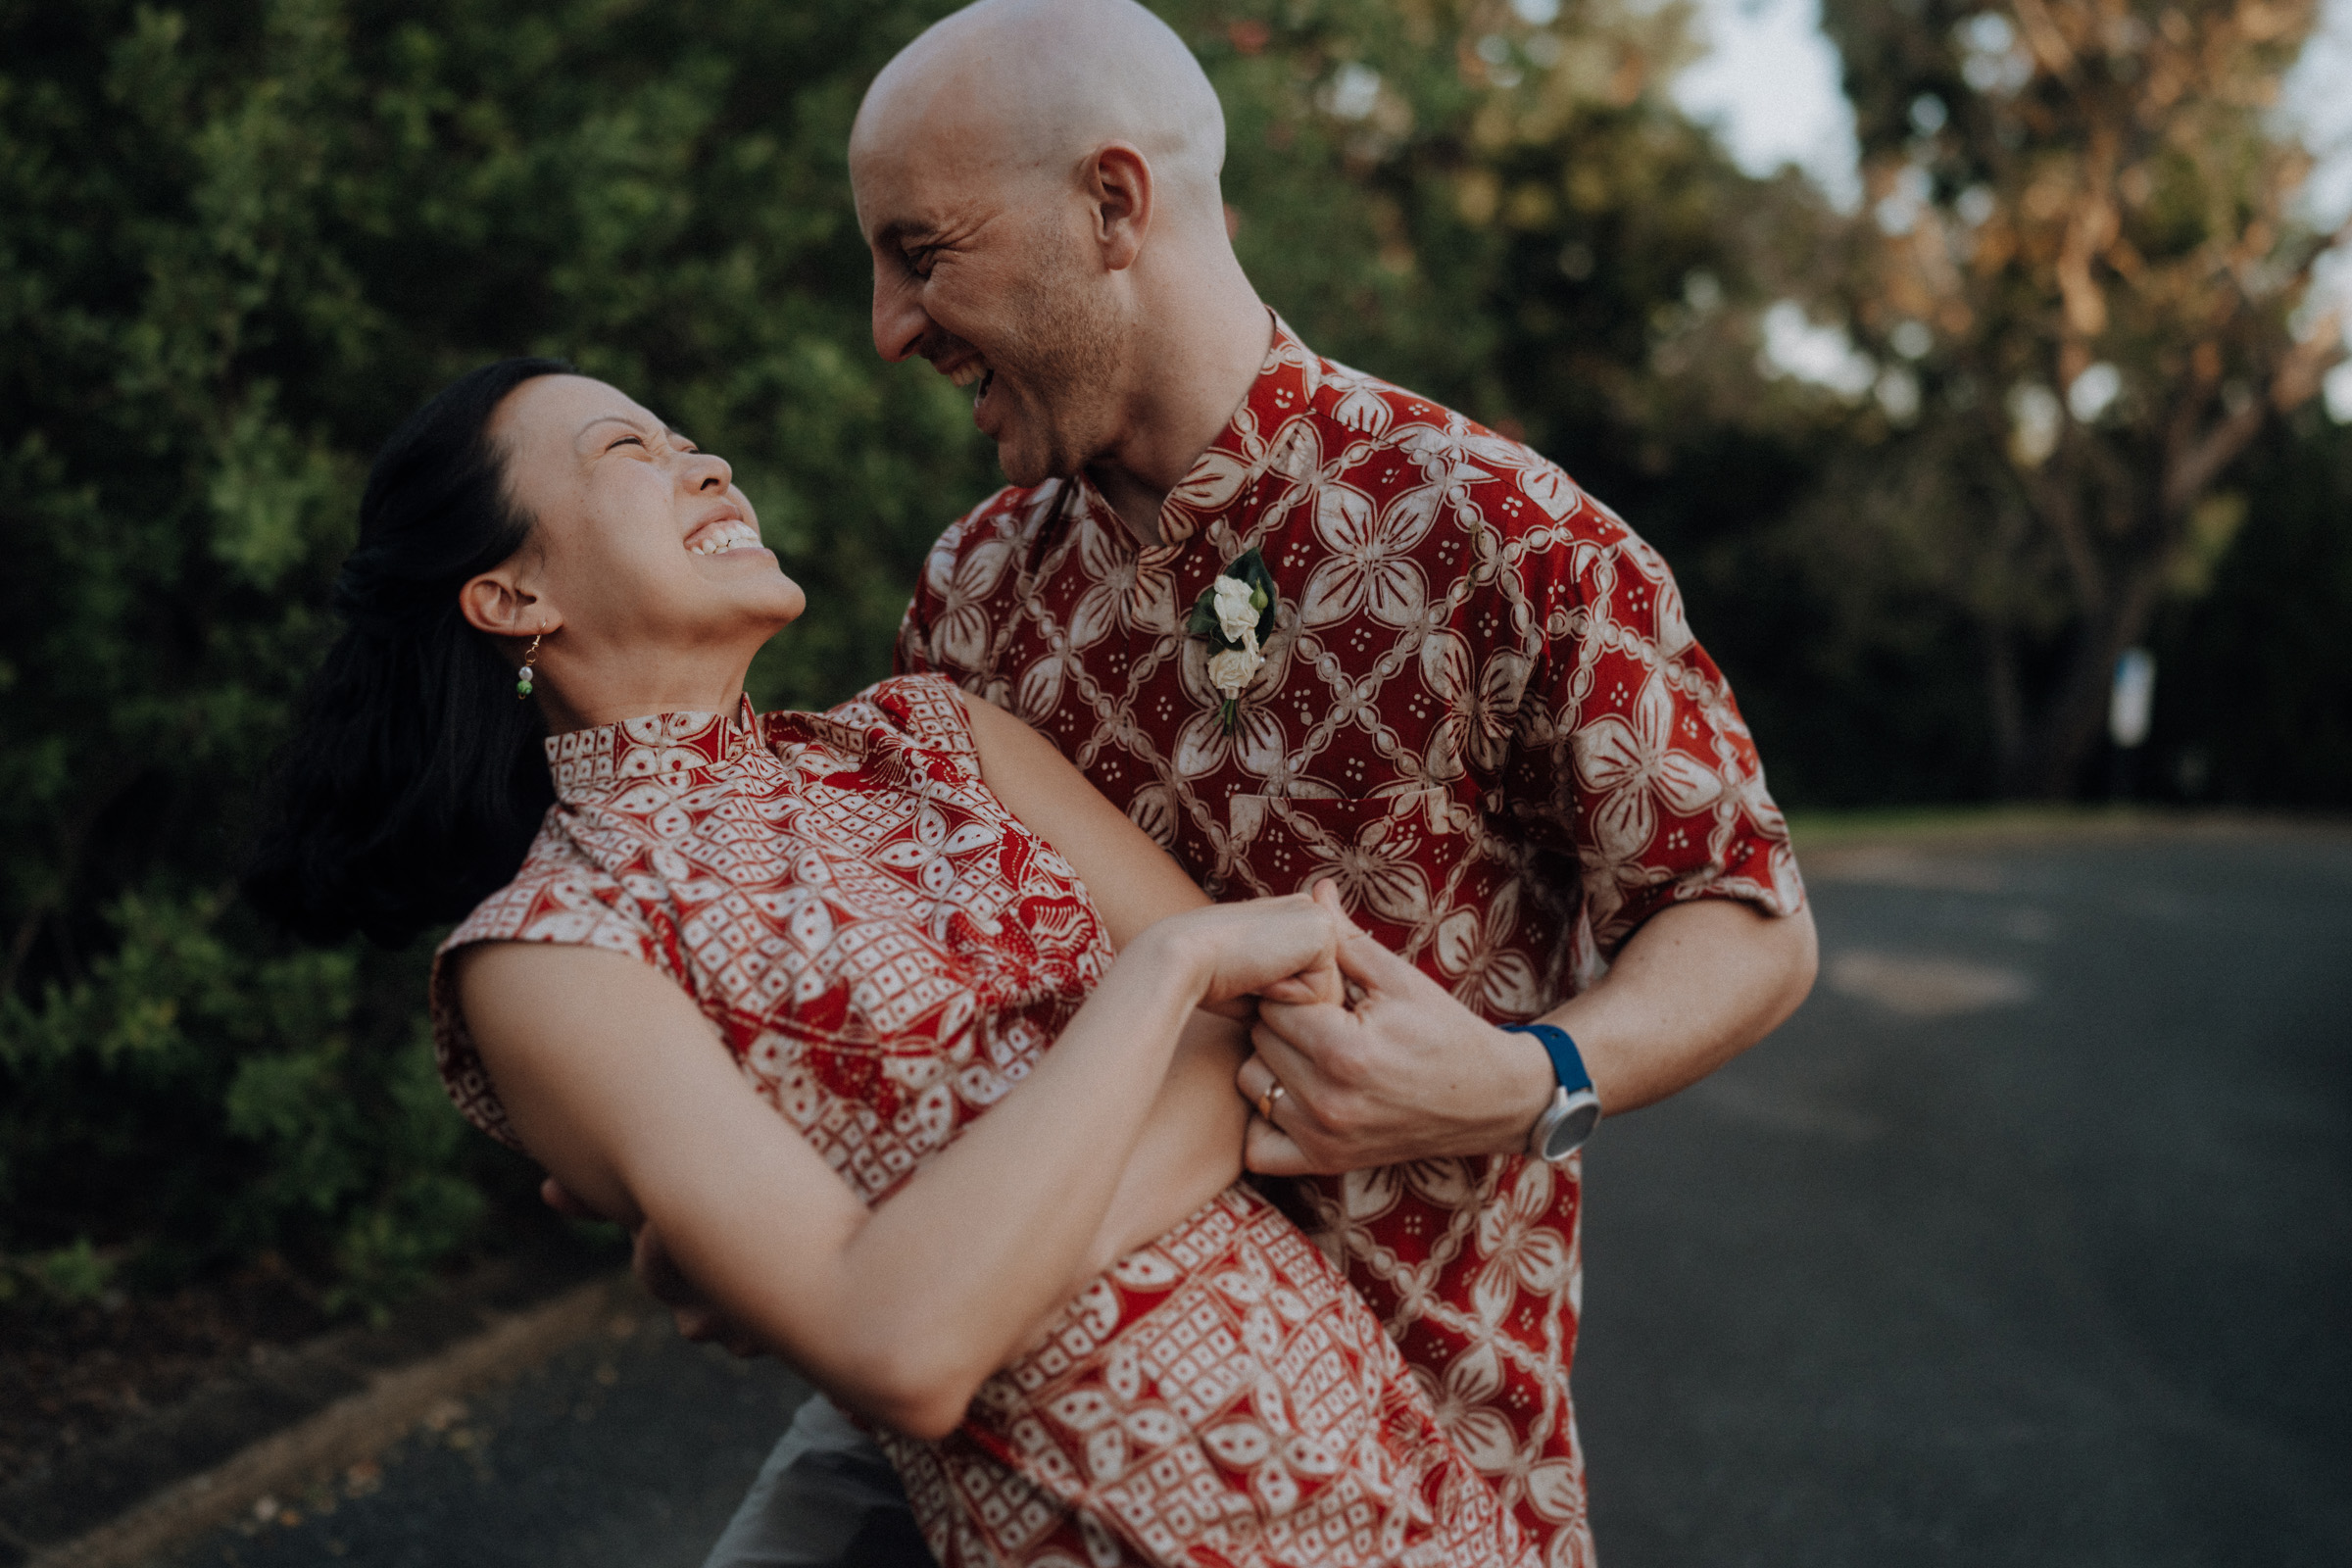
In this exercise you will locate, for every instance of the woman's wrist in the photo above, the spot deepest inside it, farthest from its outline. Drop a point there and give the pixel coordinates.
(1171, 952)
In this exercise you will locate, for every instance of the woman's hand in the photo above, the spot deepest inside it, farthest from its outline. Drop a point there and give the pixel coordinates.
(1282, 948)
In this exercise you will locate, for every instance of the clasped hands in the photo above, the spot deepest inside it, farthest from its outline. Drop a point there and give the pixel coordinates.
(1399, 1070)
(1376, 1063)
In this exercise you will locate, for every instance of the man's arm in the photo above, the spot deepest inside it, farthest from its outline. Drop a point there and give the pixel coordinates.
(1410, 1073)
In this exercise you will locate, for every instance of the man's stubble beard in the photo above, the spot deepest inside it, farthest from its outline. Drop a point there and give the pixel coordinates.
(1065, 357)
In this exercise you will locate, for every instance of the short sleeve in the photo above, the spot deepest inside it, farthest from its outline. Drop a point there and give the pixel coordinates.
(941, 592)
(926, 709)
(911, 653)
(560, 898)
(1643, 762)
(954, 618)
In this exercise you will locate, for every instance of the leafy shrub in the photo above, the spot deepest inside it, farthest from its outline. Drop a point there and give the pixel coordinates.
(237, 243)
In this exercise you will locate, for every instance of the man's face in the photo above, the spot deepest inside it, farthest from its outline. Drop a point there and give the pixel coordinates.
(995, 281)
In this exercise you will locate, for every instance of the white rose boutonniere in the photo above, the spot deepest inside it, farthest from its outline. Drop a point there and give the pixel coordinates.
(1234, 615)
(1236, 604)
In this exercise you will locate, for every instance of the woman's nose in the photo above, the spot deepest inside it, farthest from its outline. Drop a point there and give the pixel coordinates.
(711, 472)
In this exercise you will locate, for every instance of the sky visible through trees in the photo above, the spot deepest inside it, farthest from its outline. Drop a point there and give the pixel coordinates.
(1769, 83)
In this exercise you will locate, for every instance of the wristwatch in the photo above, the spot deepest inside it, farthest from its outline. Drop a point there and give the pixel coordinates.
(1575, 1109)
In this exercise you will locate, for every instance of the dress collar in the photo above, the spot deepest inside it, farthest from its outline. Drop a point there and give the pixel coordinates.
(679, 749)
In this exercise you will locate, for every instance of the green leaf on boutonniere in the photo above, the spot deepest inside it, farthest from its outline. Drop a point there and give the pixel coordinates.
(1236, 647)
(1251, 567)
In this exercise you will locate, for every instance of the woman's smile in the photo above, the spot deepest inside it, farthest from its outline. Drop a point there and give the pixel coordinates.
(723, 536)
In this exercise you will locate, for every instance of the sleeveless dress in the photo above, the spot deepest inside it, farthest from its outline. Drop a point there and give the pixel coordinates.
(886, 950)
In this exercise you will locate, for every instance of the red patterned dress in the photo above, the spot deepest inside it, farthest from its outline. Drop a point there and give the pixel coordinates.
(1482, 713)
(886, 950)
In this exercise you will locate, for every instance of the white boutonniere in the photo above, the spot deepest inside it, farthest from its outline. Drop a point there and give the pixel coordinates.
(1234, 616)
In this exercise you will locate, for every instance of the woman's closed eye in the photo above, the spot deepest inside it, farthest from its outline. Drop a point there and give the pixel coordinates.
(676, 442)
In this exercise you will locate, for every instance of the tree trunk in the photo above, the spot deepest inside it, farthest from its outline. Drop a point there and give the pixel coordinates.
(2068, 731)
(2006, 703)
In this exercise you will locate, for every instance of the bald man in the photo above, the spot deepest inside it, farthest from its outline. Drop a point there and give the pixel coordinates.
(1476, 706)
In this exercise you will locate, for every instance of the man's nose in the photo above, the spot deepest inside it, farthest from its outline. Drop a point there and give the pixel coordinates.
(900, 323)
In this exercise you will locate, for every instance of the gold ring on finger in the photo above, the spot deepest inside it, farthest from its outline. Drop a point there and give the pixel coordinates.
(1266, 1101)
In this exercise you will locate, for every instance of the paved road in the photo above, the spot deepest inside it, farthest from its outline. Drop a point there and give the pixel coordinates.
(627, 1451)
(2027, 1241)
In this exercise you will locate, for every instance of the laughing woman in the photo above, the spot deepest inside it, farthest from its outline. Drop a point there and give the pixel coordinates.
(829, 1000)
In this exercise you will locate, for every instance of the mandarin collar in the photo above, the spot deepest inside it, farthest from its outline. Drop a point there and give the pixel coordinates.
(678, 748)
(1287, 381)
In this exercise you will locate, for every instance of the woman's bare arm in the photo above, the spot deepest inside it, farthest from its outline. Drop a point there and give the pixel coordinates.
(616, 1082)
(1191, 1145)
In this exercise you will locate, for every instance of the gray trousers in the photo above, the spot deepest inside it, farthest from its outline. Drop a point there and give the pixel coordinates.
(826, 1498)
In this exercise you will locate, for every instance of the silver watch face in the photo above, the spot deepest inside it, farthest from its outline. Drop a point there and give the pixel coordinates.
(1568, 1125)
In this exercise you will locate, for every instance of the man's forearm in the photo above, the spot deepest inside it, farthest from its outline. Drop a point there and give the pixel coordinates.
(1696, 986)
(1410, 1073)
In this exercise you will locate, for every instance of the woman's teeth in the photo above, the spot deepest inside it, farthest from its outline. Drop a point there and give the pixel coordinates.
(725, 537)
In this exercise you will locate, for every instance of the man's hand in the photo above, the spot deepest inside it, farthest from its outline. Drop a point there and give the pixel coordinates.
(1410, 1073)
(1407, 1073)
(697, 1319)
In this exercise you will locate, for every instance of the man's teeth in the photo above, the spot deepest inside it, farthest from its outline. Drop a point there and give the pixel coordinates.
(725, 537)
(966, 373)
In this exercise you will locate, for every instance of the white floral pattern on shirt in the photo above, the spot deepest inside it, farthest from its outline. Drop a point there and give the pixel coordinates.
(887, 951)
(1482, 713)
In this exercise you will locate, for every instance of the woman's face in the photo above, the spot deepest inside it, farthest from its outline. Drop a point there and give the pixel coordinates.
(641, 545)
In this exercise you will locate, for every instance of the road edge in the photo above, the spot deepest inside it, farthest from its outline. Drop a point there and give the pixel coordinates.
(352, 1428)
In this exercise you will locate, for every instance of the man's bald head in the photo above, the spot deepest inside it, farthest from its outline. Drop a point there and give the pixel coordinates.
(1025, 88)
(1037, 184)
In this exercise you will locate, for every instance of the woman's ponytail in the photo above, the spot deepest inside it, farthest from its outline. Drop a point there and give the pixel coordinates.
(415, 781)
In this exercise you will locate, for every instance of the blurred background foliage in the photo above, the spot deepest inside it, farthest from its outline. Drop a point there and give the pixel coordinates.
(239, 241)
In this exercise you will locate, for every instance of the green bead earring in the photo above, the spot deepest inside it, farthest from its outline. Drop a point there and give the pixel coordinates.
(522, 676)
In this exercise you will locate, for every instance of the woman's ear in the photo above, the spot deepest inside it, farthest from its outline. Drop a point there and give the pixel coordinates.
(497, 602)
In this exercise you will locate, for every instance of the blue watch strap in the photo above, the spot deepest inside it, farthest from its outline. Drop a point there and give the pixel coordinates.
(1567, 1062)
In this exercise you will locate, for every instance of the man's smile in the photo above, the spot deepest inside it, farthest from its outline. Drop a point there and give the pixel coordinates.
(965, 372)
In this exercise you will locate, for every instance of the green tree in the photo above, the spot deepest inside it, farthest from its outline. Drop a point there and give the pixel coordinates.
(2255, 701)
(2082, 259)
(237, 243)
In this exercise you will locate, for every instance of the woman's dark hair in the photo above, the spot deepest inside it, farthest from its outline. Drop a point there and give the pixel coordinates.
(415, 781)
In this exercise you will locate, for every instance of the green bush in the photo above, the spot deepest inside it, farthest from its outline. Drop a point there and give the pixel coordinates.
(237, 244)
(2254, 672)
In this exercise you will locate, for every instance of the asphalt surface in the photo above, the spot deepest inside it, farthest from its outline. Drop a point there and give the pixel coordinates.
(2029, 1239)
(629, 1451)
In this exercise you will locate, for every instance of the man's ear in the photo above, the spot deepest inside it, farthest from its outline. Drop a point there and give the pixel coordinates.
(497, 602)
(1119, 184)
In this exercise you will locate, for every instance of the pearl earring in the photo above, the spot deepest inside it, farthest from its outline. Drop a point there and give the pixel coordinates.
(522, 676)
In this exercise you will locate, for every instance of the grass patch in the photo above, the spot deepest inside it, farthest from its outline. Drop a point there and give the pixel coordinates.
(1815, 830)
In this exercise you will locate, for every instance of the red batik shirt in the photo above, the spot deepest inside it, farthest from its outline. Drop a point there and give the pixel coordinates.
(1482, 713)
